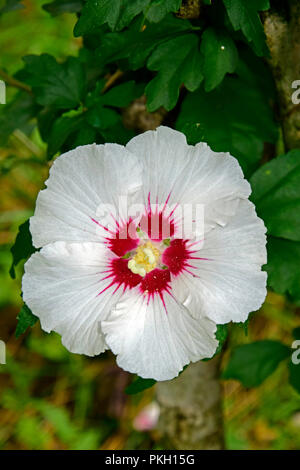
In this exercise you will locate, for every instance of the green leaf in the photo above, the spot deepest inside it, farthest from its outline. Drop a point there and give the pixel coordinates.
(276, 194)
(139, 385)
(22, 247)
(25, 319)
(116, 13)
(177, 61)
(236, 117)
(221, 336)
(118, 134)
(283, 267)
(158, 9)
(244, 325)
(58, 85)
(296, 333)
(243, 15)
(62, 129)
(86, 135)
(252, 363)
(220, 56)
(57, 7)
(17, 115)
(136, 44)
(122, 95)
(294, 378)
(101, 117)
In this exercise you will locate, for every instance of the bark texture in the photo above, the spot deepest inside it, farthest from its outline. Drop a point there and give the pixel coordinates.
(190, 9)
(191, 412)
(283, 37)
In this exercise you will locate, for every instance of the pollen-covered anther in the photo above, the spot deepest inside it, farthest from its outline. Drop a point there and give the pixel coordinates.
(145, 259)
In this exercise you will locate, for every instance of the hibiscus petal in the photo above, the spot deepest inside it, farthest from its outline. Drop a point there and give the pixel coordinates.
(189, 174)
(61, 285)
(228, 284)
(80, 182)
(155, 339)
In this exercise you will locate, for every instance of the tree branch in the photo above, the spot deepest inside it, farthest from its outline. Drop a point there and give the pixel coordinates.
(191, 412)
(11, 81)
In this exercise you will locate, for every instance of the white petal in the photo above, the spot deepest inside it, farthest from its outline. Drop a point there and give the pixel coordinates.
(230, 284)
(155, 342)
(80, 181)
(190, 174)
(61, 286)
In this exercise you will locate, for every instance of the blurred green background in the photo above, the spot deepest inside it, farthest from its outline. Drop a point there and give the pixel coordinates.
(52, 399)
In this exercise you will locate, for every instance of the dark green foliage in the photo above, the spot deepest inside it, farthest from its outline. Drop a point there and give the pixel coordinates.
(276, 195)
(120, 96)
(139, 385)
(62, 129)
(177, 61)
(26, 319)
(22, 247)
(252, 363)
(243, 15)
(118, 14)
(220, 56)
(294, 370)
(283, 267)
(158, 9)
(96, 121)
(235, 117)
(135, 44)
(58, 85)
(17, 114)
(221, 336)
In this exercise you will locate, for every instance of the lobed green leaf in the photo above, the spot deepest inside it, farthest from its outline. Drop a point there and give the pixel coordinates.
(252, 363)
(276, 194)
(243, 15)
(220, 56)
(61, 86)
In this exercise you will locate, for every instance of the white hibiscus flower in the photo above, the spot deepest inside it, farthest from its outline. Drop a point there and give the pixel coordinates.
(154, 302)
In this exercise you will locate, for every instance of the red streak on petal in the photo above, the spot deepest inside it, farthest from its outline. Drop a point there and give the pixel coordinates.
(156, 282)
(102, 226)
(122, 275)
(157, 226)
(155, 223)
(176, 256)
(122, 242)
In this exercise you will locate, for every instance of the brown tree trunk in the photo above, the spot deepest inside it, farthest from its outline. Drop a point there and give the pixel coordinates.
(191, 411)
(283, 38)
